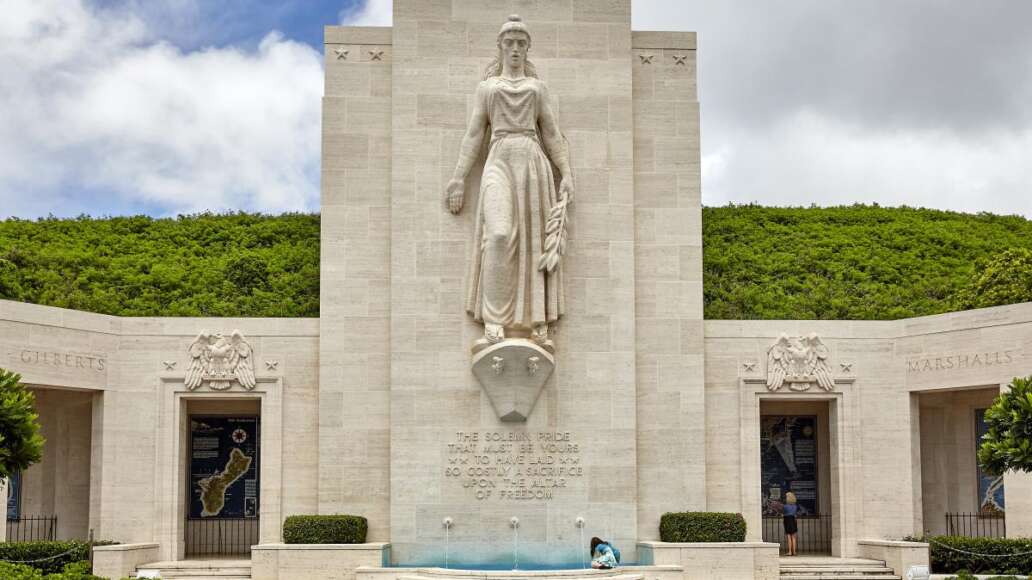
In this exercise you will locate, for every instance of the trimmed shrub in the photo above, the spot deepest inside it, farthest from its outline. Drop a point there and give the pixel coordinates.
(335, 529)
(9, 571)
(946, 559)
(702, 527)
(72, 571)
(44, 552)
(75, 571)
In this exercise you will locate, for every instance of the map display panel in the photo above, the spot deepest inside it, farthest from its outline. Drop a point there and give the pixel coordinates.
(224, 467)
(788, 462)
(990, 487)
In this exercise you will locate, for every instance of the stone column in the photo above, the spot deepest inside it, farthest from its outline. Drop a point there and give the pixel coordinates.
(582, 50)
(668, 278)
(354, 404)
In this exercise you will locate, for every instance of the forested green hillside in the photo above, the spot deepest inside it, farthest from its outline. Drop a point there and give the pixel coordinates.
(858, 262)
(204, 265)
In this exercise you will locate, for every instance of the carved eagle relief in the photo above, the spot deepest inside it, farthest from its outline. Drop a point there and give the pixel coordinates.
(220, 361)
(800, 362)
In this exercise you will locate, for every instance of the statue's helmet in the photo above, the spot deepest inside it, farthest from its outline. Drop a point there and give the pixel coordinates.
(514, 24)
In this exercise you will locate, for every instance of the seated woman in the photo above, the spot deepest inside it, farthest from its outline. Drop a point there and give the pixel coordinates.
(603, 556)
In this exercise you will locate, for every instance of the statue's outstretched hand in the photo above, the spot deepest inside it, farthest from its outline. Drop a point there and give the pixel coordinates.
(566, 190)
(454, 194)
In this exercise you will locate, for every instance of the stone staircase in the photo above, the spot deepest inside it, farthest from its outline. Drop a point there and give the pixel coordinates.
(810, 568)
(196, 570)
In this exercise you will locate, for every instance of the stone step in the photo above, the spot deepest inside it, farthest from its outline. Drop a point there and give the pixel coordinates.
(248, 577)
(825, 568)
(834, 576)
(196, 570)
(836, 570)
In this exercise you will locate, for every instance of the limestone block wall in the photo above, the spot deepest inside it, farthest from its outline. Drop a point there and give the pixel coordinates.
(439, 51)
(354, 359)
(898, 382)
(972, 349)
(105, 460)
(949, 481)
(736, 353)
(143, 427)
(60, 483)
(668, 278)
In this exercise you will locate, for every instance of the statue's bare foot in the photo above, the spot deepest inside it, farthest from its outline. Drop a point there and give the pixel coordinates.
(494, 333)
(540, 335)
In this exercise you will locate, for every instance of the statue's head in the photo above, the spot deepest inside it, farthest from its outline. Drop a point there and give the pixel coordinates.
(514, 40)
(513, 45)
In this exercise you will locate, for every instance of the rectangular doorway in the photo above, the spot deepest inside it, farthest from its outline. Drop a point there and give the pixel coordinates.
(957, 498)
(794, 457)
(222, 503)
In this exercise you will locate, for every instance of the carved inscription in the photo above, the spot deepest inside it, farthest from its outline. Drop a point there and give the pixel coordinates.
(960, 361)
(82, 362)
(507, 465)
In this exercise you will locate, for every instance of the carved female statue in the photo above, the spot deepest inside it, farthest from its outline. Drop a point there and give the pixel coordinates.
(515, 279)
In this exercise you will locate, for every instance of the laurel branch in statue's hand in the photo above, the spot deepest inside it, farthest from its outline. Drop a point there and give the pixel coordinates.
(454, 194)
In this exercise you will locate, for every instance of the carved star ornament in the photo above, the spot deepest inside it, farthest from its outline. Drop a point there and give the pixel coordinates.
(220, 361)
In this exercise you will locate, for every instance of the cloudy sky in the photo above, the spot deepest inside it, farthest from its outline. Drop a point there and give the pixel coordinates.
(114, 107)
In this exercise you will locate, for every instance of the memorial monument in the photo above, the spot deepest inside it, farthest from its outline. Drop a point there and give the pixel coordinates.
(498, 373)
(515, 274)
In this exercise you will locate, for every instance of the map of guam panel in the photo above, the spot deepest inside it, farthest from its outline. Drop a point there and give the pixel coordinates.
(788, 456)
(224, 467)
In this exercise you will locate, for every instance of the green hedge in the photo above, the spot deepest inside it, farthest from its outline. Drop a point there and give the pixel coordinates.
(702, 527)
(945, 558)
(72, 571)
(336, 529)
(22, 551)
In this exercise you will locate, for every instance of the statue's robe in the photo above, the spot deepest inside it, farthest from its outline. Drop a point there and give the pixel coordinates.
(517, 192)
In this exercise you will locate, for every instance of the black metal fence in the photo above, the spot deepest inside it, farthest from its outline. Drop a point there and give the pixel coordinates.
(31, 528)
(221, 536)
(976, 525)
(813, 537)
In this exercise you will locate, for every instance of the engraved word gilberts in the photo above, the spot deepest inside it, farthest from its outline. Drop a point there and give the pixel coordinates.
(220, 361)
(84, 362)
(508, 465)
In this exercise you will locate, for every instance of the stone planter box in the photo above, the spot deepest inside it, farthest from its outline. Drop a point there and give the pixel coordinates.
(326, 561)
(899, 556)
(121, 560)
(716, 560)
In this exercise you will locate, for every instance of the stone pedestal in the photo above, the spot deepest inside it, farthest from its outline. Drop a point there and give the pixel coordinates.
(512, 373)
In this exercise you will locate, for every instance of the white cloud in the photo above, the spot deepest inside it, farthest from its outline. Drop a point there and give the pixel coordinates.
(94, 101)
(371, 13)
(809, 158)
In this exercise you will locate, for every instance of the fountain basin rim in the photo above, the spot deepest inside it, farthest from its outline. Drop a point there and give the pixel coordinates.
(551, 573)
(368, 546)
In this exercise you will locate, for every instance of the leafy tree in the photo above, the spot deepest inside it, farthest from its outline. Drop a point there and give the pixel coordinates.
(21, 445)
(859, 262)
(1003, 279)
(856, 262)
(1007, 443)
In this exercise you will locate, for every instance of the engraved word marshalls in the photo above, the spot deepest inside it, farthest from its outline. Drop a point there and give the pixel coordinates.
(954, 362)
(510, 465)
